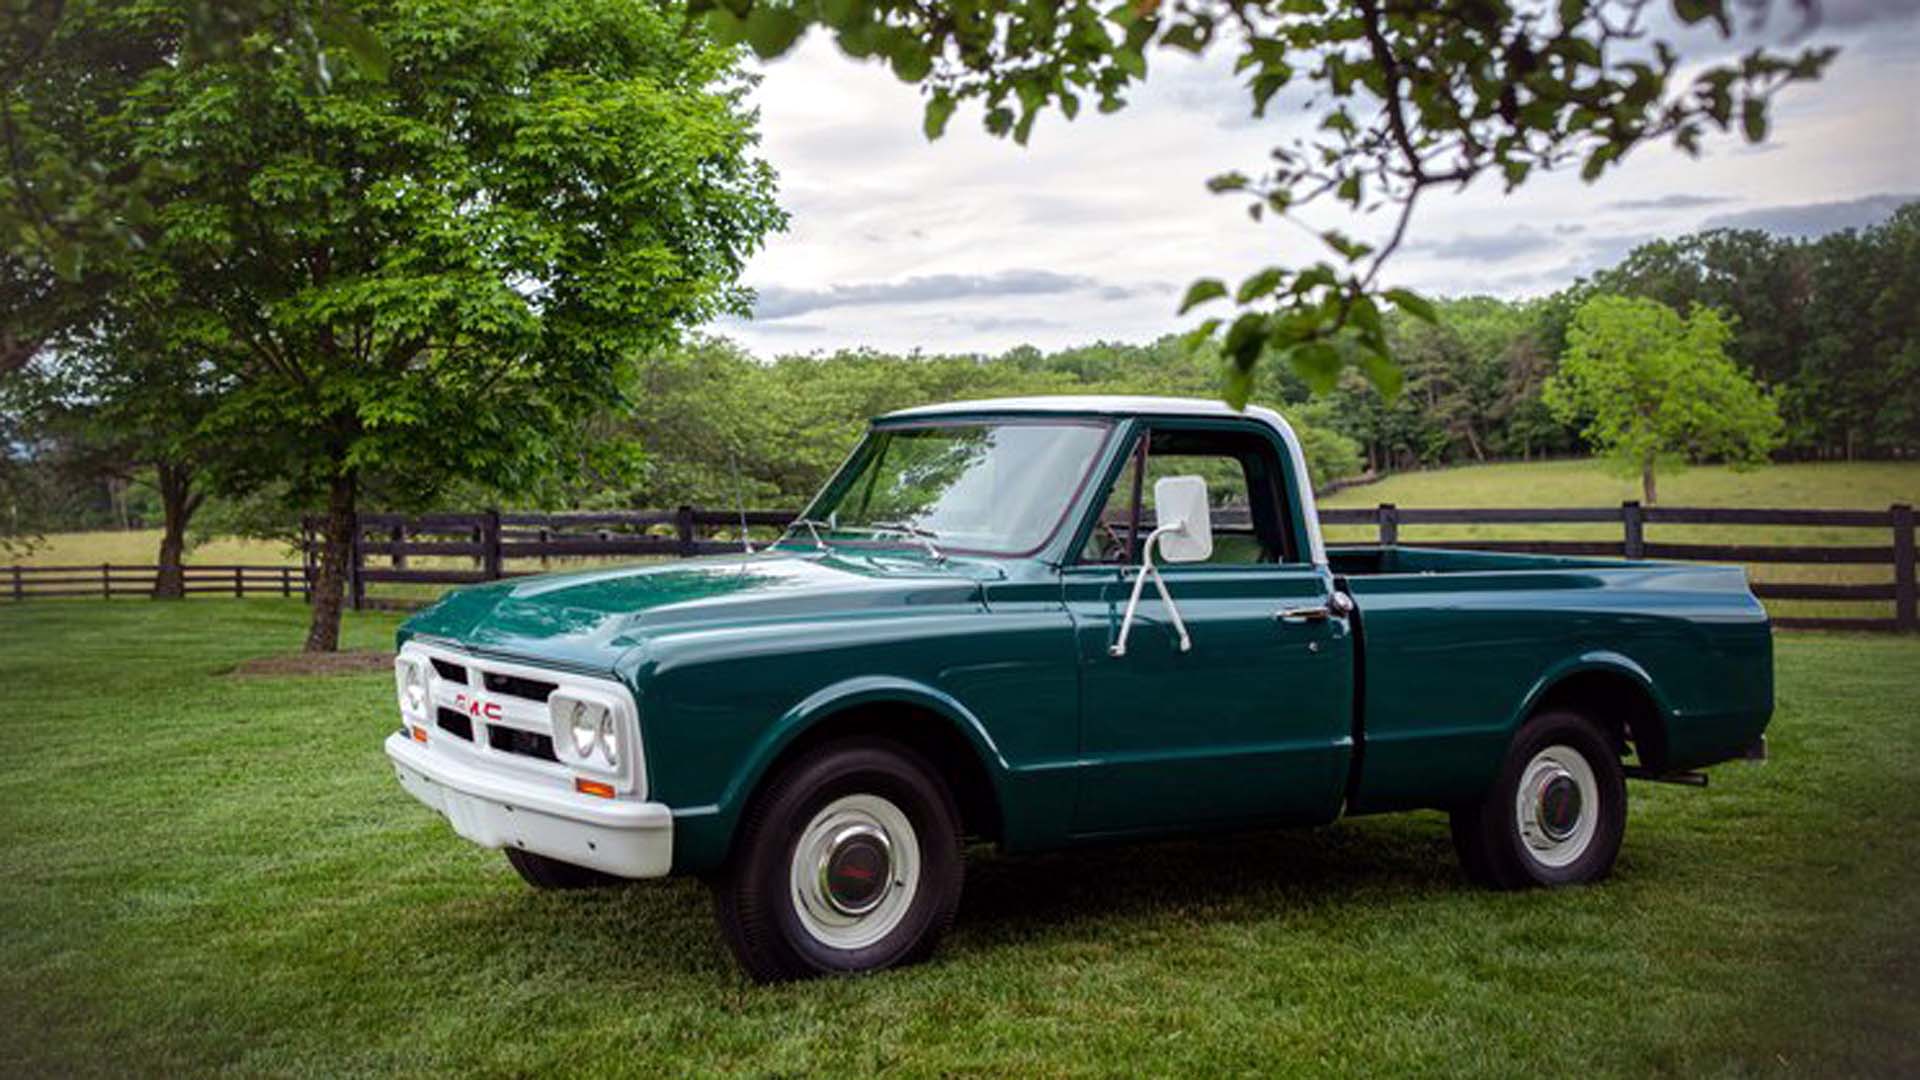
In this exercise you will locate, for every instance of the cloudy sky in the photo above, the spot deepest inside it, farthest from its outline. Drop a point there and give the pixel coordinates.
(1095, 228)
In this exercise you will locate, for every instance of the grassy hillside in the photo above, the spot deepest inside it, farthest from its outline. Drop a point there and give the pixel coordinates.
(218, 875)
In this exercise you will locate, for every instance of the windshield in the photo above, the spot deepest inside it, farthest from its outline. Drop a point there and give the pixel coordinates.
(999, 488)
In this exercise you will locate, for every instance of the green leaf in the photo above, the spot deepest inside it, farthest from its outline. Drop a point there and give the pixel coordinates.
(1413, 304)
(1232, 181)
(1202, 291)
(772, 31)
(1245, 338)
(1191, 341)
(1753, 118)
(1384, 374)
(1259, 284)
(726, 27)
(939, 110)
(1317, 363)
(911, 63)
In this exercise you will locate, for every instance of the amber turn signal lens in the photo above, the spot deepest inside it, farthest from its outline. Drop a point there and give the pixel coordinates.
(419, 734)
(592, 787)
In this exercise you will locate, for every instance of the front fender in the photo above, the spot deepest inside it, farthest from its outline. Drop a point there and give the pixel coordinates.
(704, 834)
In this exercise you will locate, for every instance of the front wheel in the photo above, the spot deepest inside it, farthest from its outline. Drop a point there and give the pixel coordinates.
(849, 861)
(1556, 814)
(542, 872)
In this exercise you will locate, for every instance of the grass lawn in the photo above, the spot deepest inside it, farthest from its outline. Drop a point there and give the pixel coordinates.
(209, 873)
(1863, 485)
(141, 547)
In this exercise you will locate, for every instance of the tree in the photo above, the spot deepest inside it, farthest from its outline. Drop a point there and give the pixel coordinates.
(130, 395)
(1647, 385)
(430, 277)
(1410, 96)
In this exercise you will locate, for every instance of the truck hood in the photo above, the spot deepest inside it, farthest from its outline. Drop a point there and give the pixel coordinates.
(588, 619)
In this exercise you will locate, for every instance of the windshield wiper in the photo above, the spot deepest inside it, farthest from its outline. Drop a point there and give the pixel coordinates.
(905, 528)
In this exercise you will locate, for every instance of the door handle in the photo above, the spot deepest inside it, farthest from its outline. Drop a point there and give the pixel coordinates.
(1338, 604)
(1317, 613)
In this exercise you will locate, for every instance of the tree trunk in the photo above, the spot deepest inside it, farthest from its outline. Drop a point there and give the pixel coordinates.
(336, 547)
(178, 503)
(1647, 495)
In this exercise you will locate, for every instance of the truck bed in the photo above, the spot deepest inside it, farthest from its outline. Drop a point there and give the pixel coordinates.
(1456, 648)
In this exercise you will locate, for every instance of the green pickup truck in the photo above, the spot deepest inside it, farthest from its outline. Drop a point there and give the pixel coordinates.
(1047, 622)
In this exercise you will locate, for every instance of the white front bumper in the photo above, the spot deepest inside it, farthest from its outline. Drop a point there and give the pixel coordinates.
(630, 839)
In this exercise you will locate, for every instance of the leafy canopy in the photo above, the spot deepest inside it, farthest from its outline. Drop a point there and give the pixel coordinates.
(433, 272)
(1649, 385)
(1409, 96)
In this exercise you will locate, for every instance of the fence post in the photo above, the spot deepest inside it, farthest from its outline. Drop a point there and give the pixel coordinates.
(1905, 615)
(490, 542)
(19, 586)
(398, 537)
(356, 585)
(239, 583)
(546, 537)
(683, 522)
(106, 581)
(286, 581)
(1389, 525)
(1634, 517)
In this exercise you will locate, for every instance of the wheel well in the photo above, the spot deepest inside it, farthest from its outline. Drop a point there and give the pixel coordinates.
(926, 731)
(1618, 704)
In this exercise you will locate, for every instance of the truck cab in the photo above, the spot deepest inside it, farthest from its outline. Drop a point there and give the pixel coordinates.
(1046, 622)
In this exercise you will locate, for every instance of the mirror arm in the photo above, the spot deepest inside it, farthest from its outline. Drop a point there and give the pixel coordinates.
(1147, 569)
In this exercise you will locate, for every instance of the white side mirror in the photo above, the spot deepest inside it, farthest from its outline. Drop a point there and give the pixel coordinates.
(1186, 522)
(1184, 534)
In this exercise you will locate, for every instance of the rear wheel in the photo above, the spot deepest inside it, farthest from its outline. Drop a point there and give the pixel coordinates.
(1557, 813)
(849, 861)
(542, 872)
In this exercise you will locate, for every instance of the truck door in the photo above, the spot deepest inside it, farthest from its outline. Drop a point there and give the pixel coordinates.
(1254, 722)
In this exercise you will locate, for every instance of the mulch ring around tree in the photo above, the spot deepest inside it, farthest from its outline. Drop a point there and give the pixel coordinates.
(352, 662)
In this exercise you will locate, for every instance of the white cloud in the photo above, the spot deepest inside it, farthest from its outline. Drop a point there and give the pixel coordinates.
(972, 243)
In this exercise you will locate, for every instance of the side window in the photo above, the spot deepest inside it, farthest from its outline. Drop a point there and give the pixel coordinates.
(1246, 485)
(1111, 539)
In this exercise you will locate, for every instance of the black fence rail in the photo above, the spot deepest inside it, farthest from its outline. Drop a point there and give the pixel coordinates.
(109, 580)
(454, 549)
(1897, 554)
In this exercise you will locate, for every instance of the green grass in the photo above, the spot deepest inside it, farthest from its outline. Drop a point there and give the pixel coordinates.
(141, 547)
(213, 874)
(1869, 485)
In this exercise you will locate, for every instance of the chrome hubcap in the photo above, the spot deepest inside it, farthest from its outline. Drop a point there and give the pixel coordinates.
(1556, 806)
(855, 871)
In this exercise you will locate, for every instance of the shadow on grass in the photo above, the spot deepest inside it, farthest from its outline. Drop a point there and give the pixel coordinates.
(662, 931)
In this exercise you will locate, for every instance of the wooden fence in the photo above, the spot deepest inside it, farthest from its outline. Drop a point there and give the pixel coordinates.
(108, 580)
(467, 548)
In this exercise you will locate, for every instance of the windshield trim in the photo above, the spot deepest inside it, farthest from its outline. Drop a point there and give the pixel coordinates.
(1107, 425)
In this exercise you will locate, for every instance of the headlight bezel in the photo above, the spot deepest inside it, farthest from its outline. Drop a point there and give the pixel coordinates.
(410, 673)
(612, 722)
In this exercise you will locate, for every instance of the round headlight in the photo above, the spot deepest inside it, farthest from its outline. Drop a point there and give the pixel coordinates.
(413, 686)
(609, 738)
(583, 725)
